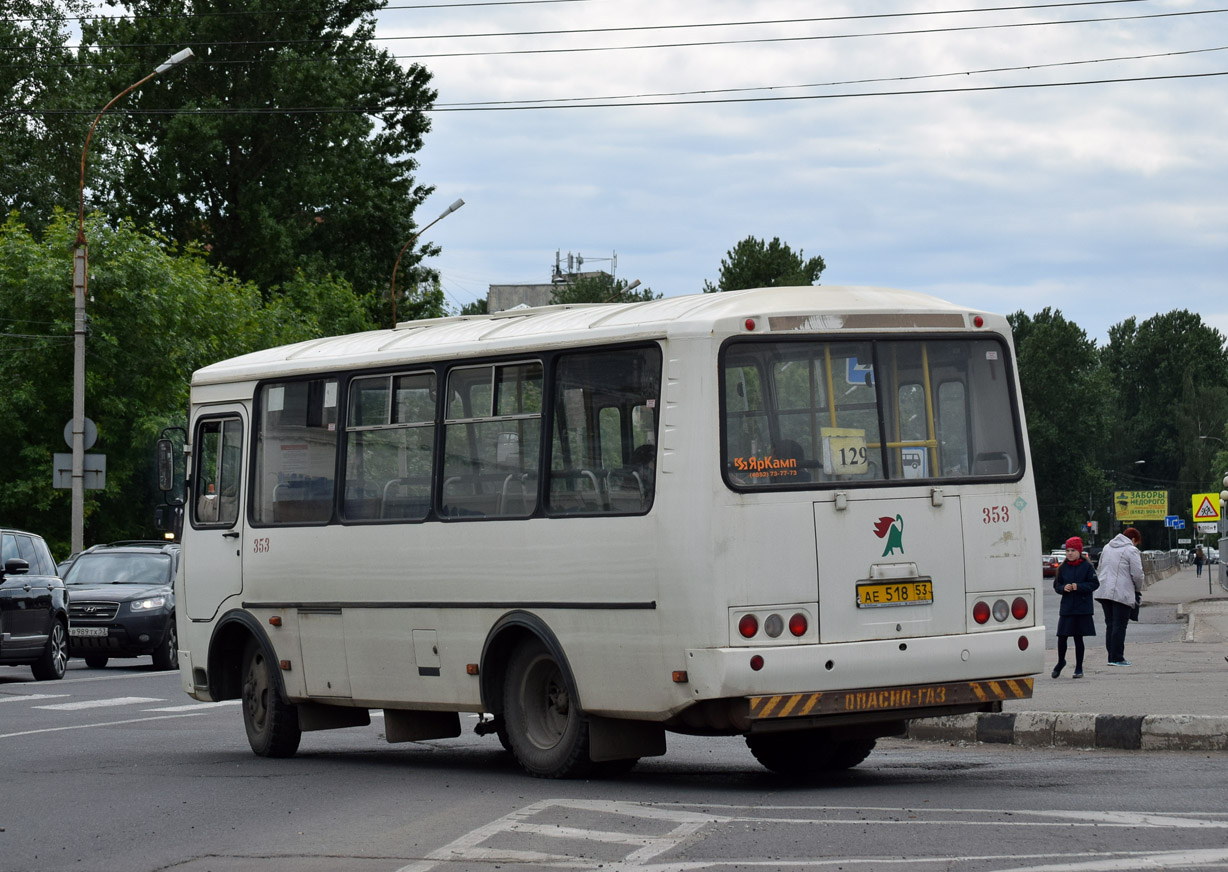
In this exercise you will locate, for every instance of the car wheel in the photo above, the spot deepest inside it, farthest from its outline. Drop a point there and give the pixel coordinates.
(546, 729)
(96, 661)
(166, 655)
(271, 723)
(54, 660)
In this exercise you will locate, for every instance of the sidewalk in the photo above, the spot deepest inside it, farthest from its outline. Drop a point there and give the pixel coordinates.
(1174, 697)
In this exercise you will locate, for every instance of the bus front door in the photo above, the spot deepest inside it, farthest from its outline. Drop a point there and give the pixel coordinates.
(213, 562)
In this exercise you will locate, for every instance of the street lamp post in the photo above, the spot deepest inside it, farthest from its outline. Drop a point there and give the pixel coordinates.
(392, 287)
(79, 279)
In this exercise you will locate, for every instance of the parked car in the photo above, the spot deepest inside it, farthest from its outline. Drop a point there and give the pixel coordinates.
(1051, 561)
(33, 607)
(122, 603)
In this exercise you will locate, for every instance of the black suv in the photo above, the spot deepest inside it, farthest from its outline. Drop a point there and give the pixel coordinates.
(123, 603)
(33, 607)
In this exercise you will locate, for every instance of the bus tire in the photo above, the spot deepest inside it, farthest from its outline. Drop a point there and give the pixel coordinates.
(807, 753)
(271, 724)
(547, 732)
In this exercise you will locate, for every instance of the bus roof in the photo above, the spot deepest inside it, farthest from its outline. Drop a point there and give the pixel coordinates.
(818, 308)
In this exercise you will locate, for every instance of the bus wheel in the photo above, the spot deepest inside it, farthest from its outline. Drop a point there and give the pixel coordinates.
(807, 753)
(547, 731)
(271, 724)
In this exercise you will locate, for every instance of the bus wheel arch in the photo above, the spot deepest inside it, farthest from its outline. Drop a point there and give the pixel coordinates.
(509, 632)
(227, 650)
(528, 685)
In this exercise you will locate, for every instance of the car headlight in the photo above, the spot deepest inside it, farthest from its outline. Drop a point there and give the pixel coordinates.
(149, 603)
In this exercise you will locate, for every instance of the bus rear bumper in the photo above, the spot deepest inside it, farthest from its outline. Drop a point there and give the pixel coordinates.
(865, 681)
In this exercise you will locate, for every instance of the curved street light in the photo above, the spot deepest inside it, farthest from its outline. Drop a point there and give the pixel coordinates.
(392, 286)
(80, 268)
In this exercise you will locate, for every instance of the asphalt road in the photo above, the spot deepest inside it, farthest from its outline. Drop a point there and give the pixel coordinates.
(115, 769)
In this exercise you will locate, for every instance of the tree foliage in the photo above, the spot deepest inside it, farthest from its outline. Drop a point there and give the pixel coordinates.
(41, 152)
(1094, 414)
(1067, 412)
(753, 263)
(600, 288)
(287, 146)
(158, 312)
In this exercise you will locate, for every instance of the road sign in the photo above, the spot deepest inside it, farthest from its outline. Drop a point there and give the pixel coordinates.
(1171, 520)
(1208, 528)
(1179, 524)
(89, 431)
(1140, 505)
(95, 470)
(1184, 541)
(1206, 507)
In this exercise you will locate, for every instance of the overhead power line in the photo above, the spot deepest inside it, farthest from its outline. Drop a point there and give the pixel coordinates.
(833, 84)
(339, 110)
(760, 40)
(692, 26)
(234, 13)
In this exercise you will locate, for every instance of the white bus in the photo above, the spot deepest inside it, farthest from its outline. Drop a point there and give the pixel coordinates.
(801, 515)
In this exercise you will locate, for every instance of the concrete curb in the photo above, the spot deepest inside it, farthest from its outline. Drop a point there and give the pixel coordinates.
(1079, 730)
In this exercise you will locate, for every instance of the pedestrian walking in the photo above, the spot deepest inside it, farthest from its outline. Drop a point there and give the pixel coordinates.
(1121, 589)
(1075, 580)
(1199, 559)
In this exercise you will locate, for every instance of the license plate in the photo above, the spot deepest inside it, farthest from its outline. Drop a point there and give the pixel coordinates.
(895, 593)
(87, 631)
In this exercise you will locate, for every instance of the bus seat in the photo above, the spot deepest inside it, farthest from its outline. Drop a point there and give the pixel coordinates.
(993, 463)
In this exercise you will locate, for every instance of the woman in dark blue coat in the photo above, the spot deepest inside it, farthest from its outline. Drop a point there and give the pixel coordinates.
(1075, 580)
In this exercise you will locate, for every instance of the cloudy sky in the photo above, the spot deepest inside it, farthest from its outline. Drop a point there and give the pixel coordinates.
(1101, 200)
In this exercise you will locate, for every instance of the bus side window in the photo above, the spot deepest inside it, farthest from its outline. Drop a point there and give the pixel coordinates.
(296, 452)
(605, 430)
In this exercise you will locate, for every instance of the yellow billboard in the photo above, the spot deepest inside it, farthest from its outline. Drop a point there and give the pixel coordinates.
(1140, 505)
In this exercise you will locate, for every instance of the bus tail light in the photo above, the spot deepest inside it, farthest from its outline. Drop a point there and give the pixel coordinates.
(980, 612)
(1001, 611)
(1019, 608)
(756, 663)
(748, 626)
(798, 625)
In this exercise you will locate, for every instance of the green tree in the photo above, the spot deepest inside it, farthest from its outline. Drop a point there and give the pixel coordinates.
(1169, 375)
(288, 146)
(477, 307)
(41, 152)
(158, 312)
(1066, 404)
(753, 263)
(600, 288)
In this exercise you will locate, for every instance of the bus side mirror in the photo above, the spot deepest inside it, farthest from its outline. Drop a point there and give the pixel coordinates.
(166, 465)
(169, 519)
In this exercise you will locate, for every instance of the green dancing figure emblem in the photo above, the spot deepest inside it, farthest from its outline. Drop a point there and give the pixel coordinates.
(894, 527)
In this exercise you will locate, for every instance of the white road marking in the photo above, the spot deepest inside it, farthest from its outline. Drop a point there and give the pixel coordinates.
(195, 706)
(95, 726)
(29, 697)
(1196, 859)
(98, 703)
(469, 846)
(543, 820)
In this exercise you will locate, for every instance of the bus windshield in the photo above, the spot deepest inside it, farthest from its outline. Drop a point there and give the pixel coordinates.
(814, 413)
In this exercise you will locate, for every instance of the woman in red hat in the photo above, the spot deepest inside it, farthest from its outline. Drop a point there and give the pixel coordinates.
(1075, 580)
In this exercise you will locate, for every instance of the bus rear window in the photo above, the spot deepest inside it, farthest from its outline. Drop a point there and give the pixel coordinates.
(804, 413)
